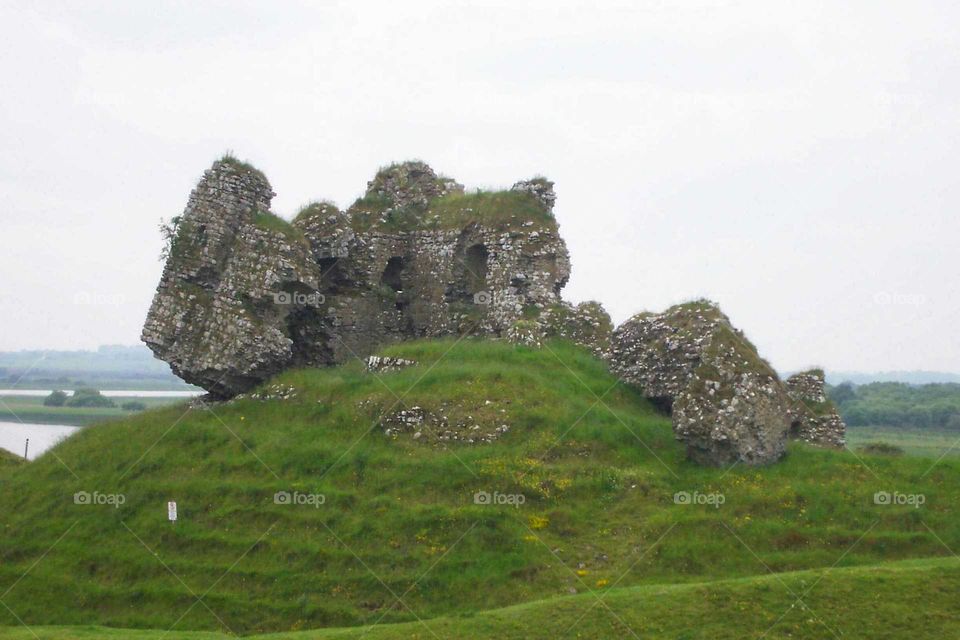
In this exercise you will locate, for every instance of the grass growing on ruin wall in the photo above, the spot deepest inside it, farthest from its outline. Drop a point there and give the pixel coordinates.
(240, 166)
(499, 209)
(273, 222)
(492, 208)
(598, 480)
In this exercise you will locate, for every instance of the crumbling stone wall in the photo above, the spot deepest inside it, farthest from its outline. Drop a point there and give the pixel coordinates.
(245, 295)
(808, 386)
(727, 404)
(813, 416)
(214, 318)
(586, 324)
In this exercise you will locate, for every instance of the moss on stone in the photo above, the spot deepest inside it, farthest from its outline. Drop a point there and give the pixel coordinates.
(491, 208)
(320, 208)
(230, 161)
(498, 209)
(273, 222)
(820, 408)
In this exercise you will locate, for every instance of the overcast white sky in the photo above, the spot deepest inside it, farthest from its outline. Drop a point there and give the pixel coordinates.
(795, 161)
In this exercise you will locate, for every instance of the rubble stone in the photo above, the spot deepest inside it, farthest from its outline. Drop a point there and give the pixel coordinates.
(586, 324)
(727, 404)
(813, 417)
(384, 364)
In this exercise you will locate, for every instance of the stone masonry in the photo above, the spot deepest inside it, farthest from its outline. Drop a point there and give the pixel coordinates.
(245, 295)
(727, 404)
(813, 417)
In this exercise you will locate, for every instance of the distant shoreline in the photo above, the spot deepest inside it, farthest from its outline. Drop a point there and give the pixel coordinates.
(110, 393)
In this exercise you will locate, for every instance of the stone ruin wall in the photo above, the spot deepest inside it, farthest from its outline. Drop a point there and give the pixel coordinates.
(813, 417)
(727, 404)
(240, 300)
(244, 296)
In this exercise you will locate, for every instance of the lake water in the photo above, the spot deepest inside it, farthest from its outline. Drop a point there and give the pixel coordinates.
(112, 394)
(13, 435)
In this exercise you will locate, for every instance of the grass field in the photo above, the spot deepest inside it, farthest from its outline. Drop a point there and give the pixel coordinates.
(931, 443)
(918, 602)
(399, 535)
(30, 409)
(9, 460)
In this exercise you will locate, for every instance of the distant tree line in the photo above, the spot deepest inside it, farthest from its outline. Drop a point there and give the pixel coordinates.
(88, 398)
(898, 404)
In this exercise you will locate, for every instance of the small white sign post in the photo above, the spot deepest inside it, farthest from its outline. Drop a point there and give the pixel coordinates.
(172, 511)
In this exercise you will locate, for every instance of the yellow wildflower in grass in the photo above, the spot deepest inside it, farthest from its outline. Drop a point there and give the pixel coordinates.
(539, 522)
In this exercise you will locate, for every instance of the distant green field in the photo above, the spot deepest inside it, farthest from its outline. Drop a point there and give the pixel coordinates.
(132, 383)
(109, 367)
(931, 443)
(31, 410)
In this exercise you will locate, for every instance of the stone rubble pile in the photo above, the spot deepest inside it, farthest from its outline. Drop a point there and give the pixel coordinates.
(727, 404)
(539, 188)
(384, 364)
(813, 417)
(586, 324)
(449, 425)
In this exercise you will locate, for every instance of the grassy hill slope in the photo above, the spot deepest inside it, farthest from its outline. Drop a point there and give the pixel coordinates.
(917, 599)
(399, 534)
(9, 460)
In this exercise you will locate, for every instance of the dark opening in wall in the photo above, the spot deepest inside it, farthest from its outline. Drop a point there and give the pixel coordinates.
(392, 274)
(475, 263)
(663, 404)
(469, 272)
(795, 429)
(392, 278)
(332, 276)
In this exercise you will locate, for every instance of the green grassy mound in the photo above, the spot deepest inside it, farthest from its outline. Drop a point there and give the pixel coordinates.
(9, 460)
(398, 533)
(918, 601)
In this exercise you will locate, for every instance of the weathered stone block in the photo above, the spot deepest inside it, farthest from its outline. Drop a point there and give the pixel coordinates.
(813, 417)
(727, 404)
